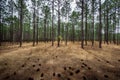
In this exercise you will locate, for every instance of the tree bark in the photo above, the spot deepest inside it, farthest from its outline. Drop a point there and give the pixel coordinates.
(34, 25)
(0, 27)
(21, 21)
(82, 33)
(52, 23)
(107, 28)
(44, 30)
(73, 28)
(100, 26)
(37, 30)
(93, 22)
(66, 35)
(86, 36)
(58, 23)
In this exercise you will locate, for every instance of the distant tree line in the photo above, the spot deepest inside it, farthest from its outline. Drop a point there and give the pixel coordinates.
(55, 20)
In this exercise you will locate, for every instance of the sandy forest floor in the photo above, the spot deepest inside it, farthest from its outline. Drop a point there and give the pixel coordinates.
(44, 62)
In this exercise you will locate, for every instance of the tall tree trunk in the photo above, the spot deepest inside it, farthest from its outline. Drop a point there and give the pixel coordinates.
(118, 33)
(117, 22)
(0, 27)
(66, 35)
(110, 31)
(104, 27)
(45, 28)
(21, 21)
(47, 31)
(114, 30)
(29, 37)
(93, 22)
(58, 23)
(107, 33)
(82, 33)
(52, 23)
(100, 26)
(115, 25)
(37, 30)
(11, 23)
(18, 25)
(12, 30)
(62, 30)
(34, 17)
(86, 36)
(50, 33)
(73, 35)
(37, 22)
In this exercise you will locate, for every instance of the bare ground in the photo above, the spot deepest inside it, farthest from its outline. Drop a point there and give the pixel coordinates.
(46, 62)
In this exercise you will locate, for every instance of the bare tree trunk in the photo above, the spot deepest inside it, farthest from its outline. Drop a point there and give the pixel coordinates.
(62, 30)
(37, 30)
(58, 23)
(29, 37)
(93, 22)
(86, 36)
(0, 27)
(118, 33)
(44, 30)
(114, 31)
(52, 23)
(12, 29)
(115, 36)
(50, 33)
(100, 26)
(107, 28)
(21, 21)
(110, 32)
(104, 27)
(37, 22)
(34, 25)
(73, 35)
(47, 31)
(82, 33)
(66, 34)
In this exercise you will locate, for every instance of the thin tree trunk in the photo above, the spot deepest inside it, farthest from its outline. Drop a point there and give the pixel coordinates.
(47, 31)
(21, 21)
(18, 29)
(0, 27)
(34, 25)
(118, 33)
(93, 22)
(104, 27)
(45, 28)
(86, 36)
(107, 33)
(29, 32)
(73, 38)
(52, 23)
(58, 23)
(115, 36)
(50, 34)
(114, 28)
(37, 23)
(110, 31)
(82, 33)
(66, 35)
(37, 30)
(100, 26)
(12, 31)
(62, 30)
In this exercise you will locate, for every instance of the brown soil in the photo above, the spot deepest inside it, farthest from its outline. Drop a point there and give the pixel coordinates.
(46, 62)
